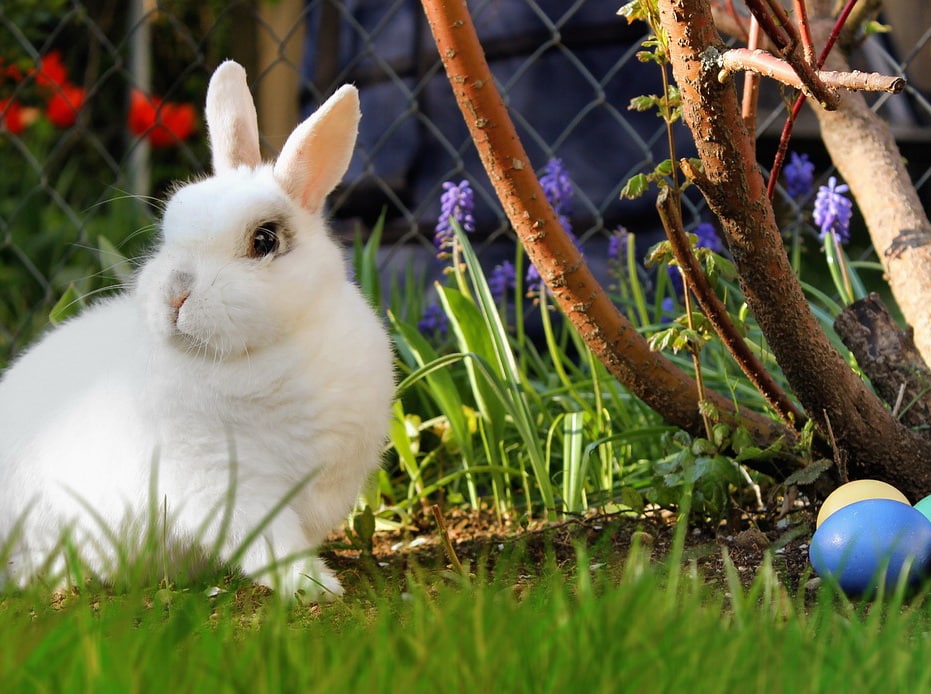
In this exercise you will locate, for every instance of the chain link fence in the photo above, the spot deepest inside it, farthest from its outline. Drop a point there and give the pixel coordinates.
(101, 108)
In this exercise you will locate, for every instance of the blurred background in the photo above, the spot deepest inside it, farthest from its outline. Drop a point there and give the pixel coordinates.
(101, 109)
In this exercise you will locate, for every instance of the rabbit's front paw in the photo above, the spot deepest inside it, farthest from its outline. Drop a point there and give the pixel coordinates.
(308, 580)
(316, 582)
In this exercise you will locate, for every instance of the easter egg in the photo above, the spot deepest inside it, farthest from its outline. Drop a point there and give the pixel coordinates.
(925, 506)
(860, 541)
(858, 490)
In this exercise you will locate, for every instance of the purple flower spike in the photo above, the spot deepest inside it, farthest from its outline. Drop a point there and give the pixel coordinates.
(534, 281)
(501, 279)
(457, 202)
(833, 210)
(557, 187)
(433, 321)
(617, 243)
(799, 175)
(708, 237)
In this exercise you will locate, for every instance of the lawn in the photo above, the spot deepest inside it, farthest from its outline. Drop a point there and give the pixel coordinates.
(602, 621)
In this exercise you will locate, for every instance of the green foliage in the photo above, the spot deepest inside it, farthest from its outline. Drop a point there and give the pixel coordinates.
(600, 625)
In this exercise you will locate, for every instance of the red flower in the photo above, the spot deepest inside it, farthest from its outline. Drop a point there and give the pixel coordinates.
(10, 71)
(63, 107)
(52, 72)
(164, 123)
(12, 116)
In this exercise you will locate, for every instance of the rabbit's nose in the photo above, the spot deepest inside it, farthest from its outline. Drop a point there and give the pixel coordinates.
(179, 288)
(176, 301)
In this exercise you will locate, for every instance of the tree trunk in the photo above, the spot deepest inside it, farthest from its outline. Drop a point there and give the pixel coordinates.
(876, 444)
(865, 153)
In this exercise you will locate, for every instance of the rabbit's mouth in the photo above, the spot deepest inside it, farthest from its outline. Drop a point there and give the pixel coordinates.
(214, 349)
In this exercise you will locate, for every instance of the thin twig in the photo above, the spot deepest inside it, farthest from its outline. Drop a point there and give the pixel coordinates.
(751, 91)
(804, 31)
(898, 400)
(766, 64)
(781, 31)
(716, 312)
(786, 134)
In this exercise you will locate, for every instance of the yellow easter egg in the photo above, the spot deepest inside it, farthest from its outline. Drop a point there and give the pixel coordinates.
(858, 490)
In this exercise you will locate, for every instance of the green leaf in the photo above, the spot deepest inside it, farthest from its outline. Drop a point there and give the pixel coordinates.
(645, 102)
(809, 473)
(634, 11)
(663, 339)
(874, 27)
(68, 306)
(664, 168)
(513, 388)
(365, 260)
(632, 498)
(718, 266)
(635, 187)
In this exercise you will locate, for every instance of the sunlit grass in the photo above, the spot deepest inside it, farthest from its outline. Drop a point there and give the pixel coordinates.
(597, 626)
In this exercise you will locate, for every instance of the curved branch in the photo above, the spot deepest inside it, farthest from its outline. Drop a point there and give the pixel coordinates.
(716, 313)
(734, 188)
(615, 341)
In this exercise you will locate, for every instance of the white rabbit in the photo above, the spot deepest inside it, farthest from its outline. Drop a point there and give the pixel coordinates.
(242, 366)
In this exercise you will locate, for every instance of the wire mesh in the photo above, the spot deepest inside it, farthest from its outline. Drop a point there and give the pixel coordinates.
(125, 79)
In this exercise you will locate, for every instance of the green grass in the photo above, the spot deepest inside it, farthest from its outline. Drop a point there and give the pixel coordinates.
(599, 627)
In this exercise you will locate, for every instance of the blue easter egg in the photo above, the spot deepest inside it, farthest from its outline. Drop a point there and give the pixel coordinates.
(857, 541)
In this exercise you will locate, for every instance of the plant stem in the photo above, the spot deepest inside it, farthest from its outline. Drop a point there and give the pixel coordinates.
(447, 543)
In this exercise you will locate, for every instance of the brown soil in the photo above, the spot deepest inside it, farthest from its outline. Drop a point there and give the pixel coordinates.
(481, 542)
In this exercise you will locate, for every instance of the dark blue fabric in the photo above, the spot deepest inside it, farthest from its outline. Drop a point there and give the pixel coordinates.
(412, 146)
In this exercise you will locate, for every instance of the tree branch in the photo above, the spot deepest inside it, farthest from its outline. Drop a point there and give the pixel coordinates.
(733, 186)
(775, 23)
(766, 64)
(614, 340)
(717, 315)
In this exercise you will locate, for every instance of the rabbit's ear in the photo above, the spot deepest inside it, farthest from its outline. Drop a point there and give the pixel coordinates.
(231, 120)
(317, 153)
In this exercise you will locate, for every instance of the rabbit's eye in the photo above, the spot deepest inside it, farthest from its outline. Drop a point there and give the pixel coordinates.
(265, 240)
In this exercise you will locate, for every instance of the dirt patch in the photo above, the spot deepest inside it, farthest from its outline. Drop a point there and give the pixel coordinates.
(481, 541)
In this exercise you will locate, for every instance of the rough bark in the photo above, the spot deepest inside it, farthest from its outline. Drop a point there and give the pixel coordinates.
(888, 356)
(875, 443)
(614, 340)
(864, 151)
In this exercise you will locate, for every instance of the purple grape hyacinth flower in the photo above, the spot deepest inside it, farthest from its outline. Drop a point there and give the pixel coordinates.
(501, 279)
(833, 210)
(616, 243)
(557, 187)
(708, 237)
(457, 202)
(799, 175)
(433, 321)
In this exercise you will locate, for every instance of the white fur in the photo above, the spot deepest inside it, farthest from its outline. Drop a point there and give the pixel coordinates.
(274, 372)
